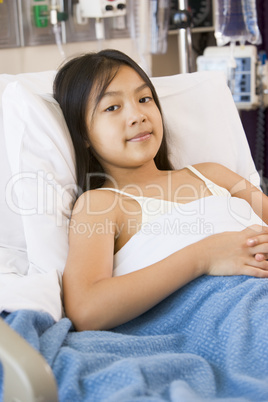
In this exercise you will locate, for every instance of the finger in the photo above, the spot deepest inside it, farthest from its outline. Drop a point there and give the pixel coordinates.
(253, 241)
(259, 228)
(256, 268)
(261, 257)
(259, 249)
(256, 272)
(262, 265)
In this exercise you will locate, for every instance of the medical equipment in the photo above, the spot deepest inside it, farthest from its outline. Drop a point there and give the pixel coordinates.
(9, 27)
(48, 12)
(181, 20)
(201, 15)
(40, 14)
(187, 17)
(236, 21)
(31, 22)
(100, 9)
(159, 21)
(248, 81)
(151, 39)
(149, 22)
(25, 23)
(42, 22)
(57, 16)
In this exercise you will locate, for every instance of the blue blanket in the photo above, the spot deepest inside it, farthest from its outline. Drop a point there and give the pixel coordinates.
(206, 342)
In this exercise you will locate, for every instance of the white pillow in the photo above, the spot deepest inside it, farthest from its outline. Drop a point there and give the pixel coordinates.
(203, 122)
(10, 238)
(42, 161)
(203, 125)
(17, 288)
(39, 197)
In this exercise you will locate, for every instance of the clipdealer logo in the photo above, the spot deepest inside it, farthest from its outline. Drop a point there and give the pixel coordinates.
(156, 228)
(38, 193)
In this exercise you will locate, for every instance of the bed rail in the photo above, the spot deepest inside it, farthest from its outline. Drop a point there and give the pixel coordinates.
(27, 376)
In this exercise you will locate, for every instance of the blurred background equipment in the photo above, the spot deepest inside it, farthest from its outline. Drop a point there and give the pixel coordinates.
(165, 37)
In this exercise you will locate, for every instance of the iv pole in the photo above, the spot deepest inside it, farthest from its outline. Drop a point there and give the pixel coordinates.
(183, 21)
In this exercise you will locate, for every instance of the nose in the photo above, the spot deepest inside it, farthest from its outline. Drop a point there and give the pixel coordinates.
(136, 117)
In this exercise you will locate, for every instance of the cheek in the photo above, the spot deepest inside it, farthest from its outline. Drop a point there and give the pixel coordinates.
(94, 132)
(102, 138)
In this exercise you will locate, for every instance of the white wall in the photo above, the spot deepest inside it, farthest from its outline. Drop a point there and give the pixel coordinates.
(48, 57)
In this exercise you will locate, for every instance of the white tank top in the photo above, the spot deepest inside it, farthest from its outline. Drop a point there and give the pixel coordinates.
(153, 207)
(168, 226)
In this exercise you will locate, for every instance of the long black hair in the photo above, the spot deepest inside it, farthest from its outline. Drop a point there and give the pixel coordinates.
(73, 88)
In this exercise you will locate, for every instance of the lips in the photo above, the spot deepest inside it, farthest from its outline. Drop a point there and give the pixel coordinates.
(140, 137)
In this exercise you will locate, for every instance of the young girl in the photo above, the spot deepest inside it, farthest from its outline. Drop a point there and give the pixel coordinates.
(140, 230)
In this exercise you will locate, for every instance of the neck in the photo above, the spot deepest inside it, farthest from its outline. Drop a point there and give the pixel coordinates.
(140, 176)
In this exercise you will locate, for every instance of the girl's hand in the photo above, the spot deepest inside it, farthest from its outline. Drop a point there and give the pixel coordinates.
(238, 253)
(256, 243)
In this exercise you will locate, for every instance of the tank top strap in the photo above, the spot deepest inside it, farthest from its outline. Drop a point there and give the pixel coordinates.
(140, 200)
(120, 192)
(214, 188)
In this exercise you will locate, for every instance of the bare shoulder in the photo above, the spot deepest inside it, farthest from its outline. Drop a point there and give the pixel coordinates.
(93, 201)
(92, 230)
(222, 176)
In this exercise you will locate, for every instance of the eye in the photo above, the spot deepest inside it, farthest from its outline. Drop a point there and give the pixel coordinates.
(112, 108)
(145, 99)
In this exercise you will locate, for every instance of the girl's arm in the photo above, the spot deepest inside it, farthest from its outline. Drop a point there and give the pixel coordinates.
(241, 188)
(237, 186)
(95, 300)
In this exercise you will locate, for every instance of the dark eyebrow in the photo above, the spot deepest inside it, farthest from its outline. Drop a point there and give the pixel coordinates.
(141, 87)
(114, 93)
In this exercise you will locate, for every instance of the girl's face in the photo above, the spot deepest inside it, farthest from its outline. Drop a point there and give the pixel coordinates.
(125, 130)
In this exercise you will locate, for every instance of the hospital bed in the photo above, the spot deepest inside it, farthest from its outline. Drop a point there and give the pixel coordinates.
(190, 346)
